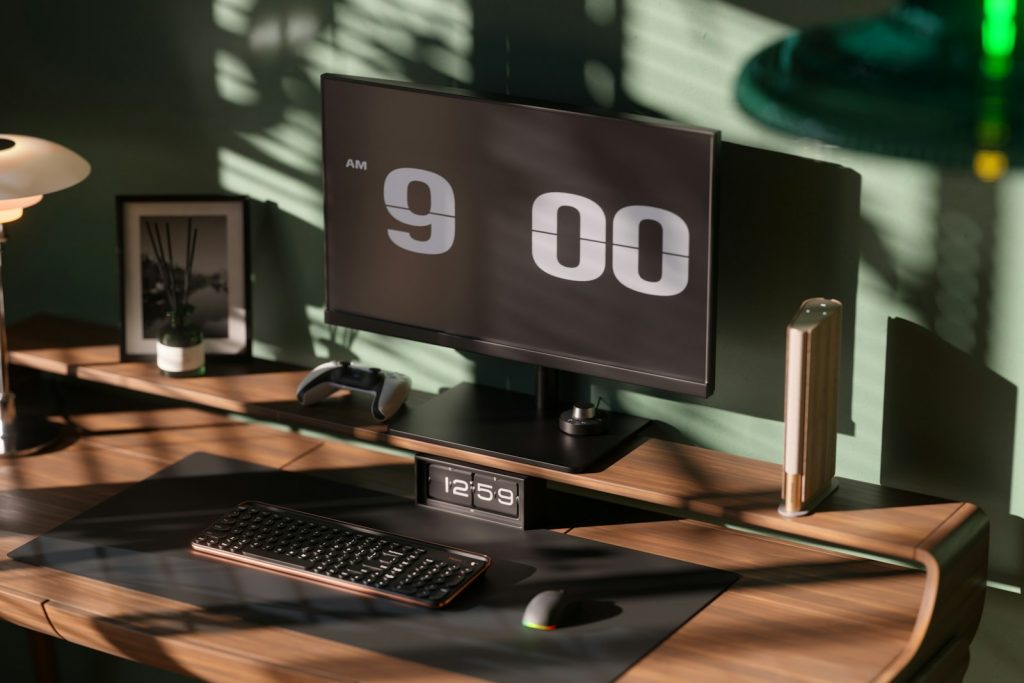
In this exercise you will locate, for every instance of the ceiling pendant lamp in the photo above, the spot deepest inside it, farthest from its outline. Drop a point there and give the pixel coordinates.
(936, 80)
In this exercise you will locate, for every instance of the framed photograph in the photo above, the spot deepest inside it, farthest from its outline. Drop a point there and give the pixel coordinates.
(219, 286)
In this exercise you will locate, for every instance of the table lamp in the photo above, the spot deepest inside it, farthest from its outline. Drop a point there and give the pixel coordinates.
(29, 168)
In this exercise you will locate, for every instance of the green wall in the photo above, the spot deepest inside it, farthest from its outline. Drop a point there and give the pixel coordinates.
(222, 96)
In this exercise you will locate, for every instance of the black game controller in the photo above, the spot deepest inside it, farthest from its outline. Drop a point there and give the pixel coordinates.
(389, 389)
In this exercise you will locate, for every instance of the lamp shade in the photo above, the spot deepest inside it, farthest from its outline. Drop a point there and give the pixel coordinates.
(32, 166)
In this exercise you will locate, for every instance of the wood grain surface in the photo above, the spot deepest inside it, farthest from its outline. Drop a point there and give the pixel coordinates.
(798, 613)
(872, 604)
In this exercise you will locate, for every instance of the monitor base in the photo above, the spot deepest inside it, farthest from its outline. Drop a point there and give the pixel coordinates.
(505, 424)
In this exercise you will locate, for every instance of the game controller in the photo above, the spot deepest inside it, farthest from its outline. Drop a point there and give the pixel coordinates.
(389, 389)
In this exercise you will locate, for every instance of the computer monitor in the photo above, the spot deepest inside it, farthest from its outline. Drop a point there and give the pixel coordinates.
(565, 239)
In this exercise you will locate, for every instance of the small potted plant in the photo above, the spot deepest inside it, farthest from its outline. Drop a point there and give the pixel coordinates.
(179, 348)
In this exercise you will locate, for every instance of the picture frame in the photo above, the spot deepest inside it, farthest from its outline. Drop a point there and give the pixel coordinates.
(220, 279)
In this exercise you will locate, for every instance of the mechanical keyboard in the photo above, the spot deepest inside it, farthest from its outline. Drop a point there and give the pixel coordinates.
(341, 554)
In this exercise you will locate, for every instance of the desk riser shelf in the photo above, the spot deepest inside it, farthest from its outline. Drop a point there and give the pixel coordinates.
(667, 474)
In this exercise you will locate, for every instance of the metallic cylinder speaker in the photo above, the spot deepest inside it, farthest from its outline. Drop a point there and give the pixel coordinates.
(813, 342)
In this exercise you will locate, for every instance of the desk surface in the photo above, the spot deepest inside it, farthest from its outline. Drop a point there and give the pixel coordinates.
(797, 613)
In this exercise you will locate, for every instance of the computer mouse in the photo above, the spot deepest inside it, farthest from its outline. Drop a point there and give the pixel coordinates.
(549, 610)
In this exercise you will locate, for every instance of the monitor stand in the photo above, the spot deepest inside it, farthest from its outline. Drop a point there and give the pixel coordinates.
(514, 426)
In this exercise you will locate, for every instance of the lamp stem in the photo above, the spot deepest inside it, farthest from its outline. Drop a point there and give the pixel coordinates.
(7, 412)
(19, 434)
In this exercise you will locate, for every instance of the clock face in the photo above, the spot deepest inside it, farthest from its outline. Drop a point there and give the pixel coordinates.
(576, 241)
(474, 489)
(496, 494)
(450, 484)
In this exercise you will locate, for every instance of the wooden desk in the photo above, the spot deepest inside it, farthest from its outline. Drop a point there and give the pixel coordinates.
(798, 613)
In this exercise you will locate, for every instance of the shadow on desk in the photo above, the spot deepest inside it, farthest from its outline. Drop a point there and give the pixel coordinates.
(139, 539)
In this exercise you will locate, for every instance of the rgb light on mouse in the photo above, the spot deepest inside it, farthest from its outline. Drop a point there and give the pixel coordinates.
(539, 627)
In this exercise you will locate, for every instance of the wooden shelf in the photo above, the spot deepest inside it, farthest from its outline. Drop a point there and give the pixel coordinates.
(947, 539)
(260, 389)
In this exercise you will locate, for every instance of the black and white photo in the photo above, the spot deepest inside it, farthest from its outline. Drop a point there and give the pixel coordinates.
(156, 249)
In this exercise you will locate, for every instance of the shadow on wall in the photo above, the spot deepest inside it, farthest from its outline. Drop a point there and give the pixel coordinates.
(567, 51)
(279, 241)
(267, 74)
(948, 431)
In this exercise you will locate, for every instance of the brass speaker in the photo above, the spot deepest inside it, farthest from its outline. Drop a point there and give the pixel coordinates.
(813, 341)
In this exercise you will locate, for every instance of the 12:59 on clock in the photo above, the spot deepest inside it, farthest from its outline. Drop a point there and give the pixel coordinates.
(492, 495)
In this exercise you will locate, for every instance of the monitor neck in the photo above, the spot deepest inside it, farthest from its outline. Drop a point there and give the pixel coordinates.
(548, 391)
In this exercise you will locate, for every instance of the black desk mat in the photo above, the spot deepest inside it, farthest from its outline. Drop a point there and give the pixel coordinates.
(631, 601)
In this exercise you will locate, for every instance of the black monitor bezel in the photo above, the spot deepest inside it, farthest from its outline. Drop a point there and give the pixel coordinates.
(701, 389)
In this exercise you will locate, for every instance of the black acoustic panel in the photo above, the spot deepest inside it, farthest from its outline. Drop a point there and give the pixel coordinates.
(631, 601)
(505, 424)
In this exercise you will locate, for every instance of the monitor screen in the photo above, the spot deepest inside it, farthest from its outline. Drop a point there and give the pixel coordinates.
(571, 240)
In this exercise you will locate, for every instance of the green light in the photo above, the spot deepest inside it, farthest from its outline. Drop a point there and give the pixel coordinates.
(998, 39)
(991, 134)
(999, 28)
(996, 67)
